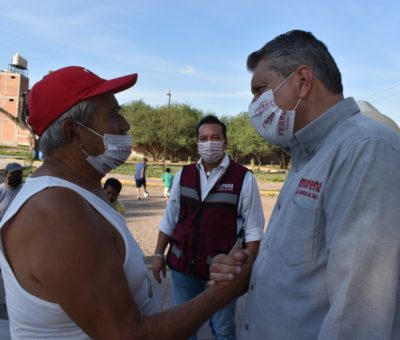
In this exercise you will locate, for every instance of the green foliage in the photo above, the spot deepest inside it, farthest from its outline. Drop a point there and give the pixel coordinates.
(149, 128)
(15, 151)
(154, 170)
(151, 125)
(146, 127)
(181, 141)
(270, 177)
(244, 141)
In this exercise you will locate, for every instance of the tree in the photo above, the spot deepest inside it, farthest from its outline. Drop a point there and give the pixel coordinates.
(284, 157)
(244, 141)
(148, 128)
(181, 141)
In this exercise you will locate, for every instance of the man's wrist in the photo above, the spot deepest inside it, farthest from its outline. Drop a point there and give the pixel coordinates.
(160, 255)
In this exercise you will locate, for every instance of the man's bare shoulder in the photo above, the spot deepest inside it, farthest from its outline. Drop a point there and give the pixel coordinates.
(53, 209)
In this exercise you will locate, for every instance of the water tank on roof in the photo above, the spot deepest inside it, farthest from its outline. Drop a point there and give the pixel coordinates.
(19, 62)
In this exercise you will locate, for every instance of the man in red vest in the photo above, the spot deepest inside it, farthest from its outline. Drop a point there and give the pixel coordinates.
(214, 204)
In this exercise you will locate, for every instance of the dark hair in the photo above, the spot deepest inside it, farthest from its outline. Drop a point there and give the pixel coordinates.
(289, 50)
(211, 120)
(167, 170)
(144, 159)
(113, 183)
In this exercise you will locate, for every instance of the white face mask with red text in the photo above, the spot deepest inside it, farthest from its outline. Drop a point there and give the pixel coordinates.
(275, 125)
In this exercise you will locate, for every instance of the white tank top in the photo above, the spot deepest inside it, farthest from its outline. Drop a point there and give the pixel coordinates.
(35, 318)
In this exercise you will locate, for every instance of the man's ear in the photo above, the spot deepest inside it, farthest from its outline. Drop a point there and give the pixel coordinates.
(305, 77)
(70, 132)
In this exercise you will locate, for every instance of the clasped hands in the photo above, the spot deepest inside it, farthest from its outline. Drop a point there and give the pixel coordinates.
(224, 267)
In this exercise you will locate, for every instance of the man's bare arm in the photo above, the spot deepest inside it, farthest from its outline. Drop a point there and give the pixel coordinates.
(71, 256)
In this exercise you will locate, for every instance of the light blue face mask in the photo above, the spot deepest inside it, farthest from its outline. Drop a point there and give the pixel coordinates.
(117, 149)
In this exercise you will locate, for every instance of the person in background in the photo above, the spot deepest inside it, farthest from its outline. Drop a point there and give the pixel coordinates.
(71, 268)
(11, 186)
(8, 190)
(329, 262)
(167, 179)
(113, 187)
(140, 178)
(214, 203)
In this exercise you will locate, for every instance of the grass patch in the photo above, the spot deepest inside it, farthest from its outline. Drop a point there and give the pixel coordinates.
(155, 170)
(270, 177)
(15, 151)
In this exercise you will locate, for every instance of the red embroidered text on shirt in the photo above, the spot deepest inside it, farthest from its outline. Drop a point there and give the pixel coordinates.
(309, 188)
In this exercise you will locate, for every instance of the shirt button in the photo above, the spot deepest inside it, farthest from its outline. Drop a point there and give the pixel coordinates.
(267, 247)
(246, 327)
(278, 205)
(251, 287)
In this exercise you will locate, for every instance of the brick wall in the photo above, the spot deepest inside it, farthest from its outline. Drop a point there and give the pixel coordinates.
(11, 86)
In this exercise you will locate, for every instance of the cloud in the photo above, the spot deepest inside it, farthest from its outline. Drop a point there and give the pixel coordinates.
(188, 70)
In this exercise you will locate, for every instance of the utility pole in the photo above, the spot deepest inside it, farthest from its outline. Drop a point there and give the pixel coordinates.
(166, 128)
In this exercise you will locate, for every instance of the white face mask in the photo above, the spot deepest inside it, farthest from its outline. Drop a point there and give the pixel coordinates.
(212, 151)
(117, 150)
(272, 123)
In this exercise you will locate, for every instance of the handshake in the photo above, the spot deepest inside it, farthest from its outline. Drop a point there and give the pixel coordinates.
(225, 270)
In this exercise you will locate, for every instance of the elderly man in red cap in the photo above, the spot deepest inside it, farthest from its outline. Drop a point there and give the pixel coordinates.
(72, 270)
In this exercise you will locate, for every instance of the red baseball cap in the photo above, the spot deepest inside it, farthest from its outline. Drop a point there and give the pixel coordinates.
(58, 91)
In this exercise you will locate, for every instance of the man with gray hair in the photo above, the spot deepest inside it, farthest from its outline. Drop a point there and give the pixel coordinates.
(71, 268)
(329, 263)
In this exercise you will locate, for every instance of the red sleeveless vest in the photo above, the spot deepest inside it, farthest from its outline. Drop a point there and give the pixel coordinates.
(205, 229)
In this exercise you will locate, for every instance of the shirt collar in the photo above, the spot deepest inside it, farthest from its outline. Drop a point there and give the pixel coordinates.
(312, 134)
(224, 163)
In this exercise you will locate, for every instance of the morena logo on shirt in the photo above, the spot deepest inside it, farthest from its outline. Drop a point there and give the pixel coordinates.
(309, 188)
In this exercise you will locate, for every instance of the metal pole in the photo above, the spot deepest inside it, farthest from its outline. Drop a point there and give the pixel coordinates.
(166, 128)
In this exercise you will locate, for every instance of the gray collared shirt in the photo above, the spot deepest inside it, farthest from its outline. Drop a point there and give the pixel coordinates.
(329, 263)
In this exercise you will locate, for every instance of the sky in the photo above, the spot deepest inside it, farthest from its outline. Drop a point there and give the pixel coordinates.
(197, 50)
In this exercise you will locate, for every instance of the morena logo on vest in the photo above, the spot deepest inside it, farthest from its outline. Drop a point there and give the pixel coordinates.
(225, 187)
